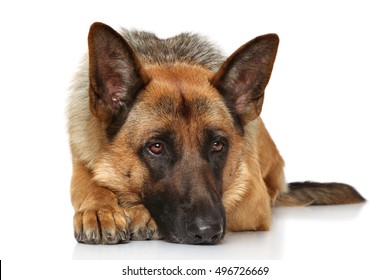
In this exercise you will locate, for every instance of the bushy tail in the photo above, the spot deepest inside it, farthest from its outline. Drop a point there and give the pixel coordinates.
(312, 193)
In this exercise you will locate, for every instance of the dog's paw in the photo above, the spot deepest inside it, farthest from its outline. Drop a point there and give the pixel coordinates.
(142, 225)
(106, 225)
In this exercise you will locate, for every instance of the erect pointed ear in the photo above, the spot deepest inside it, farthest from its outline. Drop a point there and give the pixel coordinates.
(245, 74)
(115, 73)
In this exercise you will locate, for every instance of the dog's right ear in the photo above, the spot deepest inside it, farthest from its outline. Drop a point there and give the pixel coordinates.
(115, 73)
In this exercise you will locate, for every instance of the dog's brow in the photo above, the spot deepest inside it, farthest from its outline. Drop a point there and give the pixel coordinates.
(170, 104)
(165, 135)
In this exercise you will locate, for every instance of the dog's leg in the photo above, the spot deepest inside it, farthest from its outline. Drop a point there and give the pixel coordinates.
(271, 162)
(247, 201)
(98, 217)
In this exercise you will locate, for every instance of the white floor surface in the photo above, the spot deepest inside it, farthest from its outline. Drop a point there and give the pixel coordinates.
(318, 232)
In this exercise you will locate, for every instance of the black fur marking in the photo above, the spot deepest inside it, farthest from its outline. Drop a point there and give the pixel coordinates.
(119, 117)
(175, 207)
(184, 109)
(168, 212)
(184, 194)
(160, 166)
(216, 160)
(116, 123)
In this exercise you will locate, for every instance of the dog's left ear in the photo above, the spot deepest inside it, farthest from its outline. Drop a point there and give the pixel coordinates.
(245, 74)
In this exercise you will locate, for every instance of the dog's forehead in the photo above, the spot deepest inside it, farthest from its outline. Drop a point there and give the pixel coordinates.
(188, 80)
(183, 91)
(179, 98)
(180, 71)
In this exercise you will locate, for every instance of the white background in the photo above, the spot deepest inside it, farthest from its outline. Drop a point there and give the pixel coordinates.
(327, 108)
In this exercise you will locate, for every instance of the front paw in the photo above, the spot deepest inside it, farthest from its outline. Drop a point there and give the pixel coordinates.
(105, 225)
(142, 225)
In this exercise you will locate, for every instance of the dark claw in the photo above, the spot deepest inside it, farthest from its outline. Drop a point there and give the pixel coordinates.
(90, 238)
(149, 233)
(110, 237)
(78, 236)
(123, 236)
(93, 236)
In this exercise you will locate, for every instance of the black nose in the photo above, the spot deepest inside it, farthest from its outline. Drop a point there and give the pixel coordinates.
(205, 232)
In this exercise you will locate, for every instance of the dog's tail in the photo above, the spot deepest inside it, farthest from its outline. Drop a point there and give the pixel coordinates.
(312, 193)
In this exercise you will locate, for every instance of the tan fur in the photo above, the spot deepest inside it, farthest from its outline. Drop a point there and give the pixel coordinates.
(108, 175)
(259, 179)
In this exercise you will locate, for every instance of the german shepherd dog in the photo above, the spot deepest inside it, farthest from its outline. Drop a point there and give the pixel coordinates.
(167, 141)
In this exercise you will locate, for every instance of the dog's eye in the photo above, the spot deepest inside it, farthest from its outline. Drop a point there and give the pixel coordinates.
(217, 146)
(156, 148)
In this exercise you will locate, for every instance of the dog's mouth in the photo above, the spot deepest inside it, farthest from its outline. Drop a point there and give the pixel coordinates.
(187, 213)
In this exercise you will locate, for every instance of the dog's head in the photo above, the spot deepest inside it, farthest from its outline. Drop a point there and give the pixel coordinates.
(175, 133)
